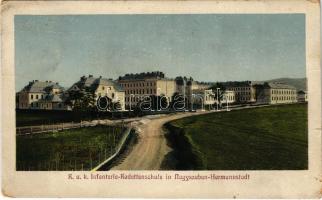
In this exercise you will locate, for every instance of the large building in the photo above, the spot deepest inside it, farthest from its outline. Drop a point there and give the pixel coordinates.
(101, 87)
(47, 95)
(245, 91)
(275, 93)
(138, 86)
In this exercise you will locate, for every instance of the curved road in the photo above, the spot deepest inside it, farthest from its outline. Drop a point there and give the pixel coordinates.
(151, 148)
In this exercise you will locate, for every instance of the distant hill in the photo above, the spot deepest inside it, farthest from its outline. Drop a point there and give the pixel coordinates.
(298, 83)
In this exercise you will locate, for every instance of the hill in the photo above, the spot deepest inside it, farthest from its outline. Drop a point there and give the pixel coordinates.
(299, 83)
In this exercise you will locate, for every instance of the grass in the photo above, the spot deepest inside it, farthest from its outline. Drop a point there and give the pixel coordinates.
(74, 149)
(268, 138)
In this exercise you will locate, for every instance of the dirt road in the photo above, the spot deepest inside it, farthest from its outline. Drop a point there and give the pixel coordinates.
(151, 148)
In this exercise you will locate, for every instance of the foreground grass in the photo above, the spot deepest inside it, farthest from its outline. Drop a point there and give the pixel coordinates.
(74, 149)
(270, 138)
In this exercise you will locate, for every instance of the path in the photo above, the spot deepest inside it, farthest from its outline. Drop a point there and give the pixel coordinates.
(149, 153)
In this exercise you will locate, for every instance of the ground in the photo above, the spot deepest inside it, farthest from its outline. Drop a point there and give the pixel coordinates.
(272, 137)
(268, 138)
(74, 149)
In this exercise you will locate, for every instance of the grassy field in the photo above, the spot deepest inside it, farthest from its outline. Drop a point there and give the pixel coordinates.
(268, 138)
(74, 149)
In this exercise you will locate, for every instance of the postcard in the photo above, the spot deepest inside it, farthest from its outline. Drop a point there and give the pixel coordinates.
(171, 99)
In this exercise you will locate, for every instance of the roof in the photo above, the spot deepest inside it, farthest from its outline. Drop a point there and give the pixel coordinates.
(41, 86)
(201, 91)
(302, 92)
(276, 85)
(142, 76)
(53, 98)
(109, 82)
(92, 83)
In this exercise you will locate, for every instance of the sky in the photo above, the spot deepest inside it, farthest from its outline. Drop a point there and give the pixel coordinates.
(207, 47)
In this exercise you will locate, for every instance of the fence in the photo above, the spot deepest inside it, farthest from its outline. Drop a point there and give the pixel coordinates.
(118, 149)
(45, 128)
(76, 153)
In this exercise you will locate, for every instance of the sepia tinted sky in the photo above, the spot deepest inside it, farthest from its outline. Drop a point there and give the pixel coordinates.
(208, 47)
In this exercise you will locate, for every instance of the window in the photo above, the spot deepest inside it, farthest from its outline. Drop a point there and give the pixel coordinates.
(113, 95)
(32, 96)
(103, 87)
(37, 96)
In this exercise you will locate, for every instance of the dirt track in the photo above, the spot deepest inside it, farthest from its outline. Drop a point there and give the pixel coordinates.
(151, 148)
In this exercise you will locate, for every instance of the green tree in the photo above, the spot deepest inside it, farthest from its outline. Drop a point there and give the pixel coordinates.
(178, 102)
(81, 100)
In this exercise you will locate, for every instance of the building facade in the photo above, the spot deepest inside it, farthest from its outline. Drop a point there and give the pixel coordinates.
(46, 95)
(203, 97)
(229, 97)
(139, 86)
(275, 93)
(101, 87)
(245, 91)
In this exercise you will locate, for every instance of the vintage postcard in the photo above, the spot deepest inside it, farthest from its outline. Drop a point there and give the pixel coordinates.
(172, 99)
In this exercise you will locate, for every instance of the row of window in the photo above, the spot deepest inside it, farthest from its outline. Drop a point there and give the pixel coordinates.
(244, 98)
(100, 94)
(284, 98)
(34, 105)
(134, 99)
(36, 96)
(242, 93)
(283, 92)
(230, 98)
(103, 88)
(47, 105)
(141, 91)
(240, 88)
(138, 84)
(207, 98)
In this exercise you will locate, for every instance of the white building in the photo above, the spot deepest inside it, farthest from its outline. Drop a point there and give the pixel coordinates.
(45, 95)
(229, 97)
(245, 91)
(275, 93)
(101, 87)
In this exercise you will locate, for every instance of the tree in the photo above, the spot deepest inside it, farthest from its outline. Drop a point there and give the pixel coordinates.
(178, 102)
(81, 100)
